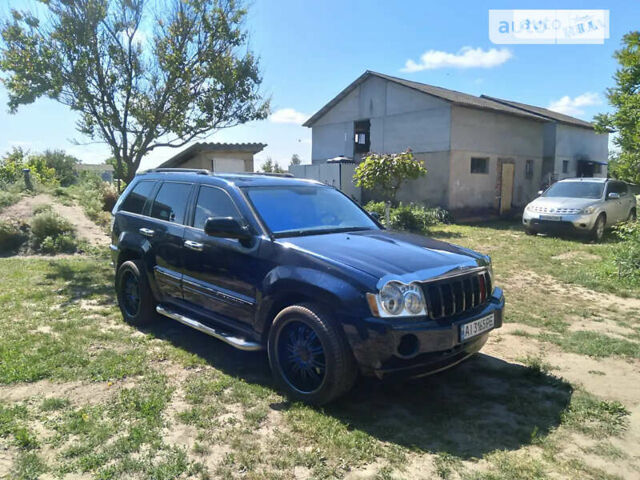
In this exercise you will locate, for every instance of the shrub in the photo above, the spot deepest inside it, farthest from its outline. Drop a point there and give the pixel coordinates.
(627, 252)
(43, 207)
(109, 196)
(12, 236)
(8, 198)
(65, 243)
(48, 224)
(410, 217)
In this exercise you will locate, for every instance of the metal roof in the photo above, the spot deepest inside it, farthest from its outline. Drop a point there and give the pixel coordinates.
(543, 112)
(211, 147)
(452, 96)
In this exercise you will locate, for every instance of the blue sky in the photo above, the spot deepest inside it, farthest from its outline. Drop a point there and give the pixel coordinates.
(310, 50)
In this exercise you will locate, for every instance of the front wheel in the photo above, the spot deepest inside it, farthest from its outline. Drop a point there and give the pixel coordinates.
(597, 232)
(309, 356)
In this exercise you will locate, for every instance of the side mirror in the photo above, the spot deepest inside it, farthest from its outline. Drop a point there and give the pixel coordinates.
(540, 192)
(613, 196)
(375, 215)
(226, 227)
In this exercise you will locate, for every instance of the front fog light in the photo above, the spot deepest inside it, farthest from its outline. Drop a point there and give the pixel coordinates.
(391, 299)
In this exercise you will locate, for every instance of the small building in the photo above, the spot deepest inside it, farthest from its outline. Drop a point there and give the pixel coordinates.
(103, 170)
(217, 157)
(480, 153)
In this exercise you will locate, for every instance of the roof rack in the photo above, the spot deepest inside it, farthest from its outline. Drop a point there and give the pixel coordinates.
(199, 171)
(267, 174)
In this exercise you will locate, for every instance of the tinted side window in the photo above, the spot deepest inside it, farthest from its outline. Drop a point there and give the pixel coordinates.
(134, 202)
(213, 202)
(171, 202)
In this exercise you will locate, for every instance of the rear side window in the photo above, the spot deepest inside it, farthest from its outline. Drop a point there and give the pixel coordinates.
(135, 201)
(213, 202)
(171, 202)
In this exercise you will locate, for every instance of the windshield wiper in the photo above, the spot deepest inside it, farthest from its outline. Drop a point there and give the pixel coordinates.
(319, 231)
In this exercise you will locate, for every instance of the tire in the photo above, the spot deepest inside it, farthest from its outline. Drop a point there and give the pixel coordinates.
(309, 356)
(632, 216)
(528, 231)
(597, 232)
(135, 298)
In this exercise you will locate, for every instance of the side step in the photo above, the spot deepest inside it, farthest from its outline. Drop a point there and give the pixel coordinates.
(237, 342)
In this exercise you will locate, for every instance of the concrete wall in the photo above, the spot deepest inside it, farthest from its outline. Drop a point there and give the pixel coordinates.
(400, 118)
(204, 160)
(573, 143)
(498, 137)
(482, 190)
(339, 175)
(433, 189)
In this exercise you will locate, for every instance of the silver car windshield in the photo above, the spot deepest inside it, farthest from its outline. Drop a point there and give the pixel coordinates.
(575, 190)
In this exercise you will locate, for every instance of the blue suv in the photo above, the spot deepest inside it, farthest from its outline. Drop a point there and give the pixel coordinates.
(296, 268)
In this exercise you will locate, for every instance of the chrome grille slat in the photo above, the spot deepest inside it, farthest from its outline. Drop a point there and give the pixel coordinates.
(451, 296)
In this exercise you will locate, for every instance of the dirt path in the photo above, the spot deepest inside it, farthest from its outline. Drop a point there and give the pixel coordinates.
(85, 228)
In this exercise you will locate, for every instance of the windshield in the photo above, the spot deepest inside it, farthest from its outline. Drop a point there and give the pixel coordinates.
(307, 210)
(575, 190)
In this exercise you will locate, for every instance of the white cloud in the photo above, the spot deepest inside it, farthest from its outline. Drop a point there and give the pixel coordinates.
(288, 115)
(574, 106)
(466, 57)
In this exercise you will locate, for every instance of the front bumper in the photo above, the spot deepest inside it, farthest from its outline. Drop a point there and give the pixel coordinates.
(380, 345)
(579, 223)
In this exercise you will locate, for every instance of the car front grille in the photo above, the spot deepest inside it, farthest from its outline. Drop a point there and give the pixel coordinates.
(455, 295)
(566, 211)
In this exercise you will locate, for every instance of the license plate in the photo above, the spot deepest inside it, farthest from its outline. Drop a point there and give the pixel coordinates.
(476, 327)
(552, 218)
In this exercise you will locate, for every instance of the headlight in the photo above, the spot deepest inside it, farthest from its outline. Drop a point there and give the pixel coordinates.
(589, 210)
(398, 300)
(529, 207)
(391, 299)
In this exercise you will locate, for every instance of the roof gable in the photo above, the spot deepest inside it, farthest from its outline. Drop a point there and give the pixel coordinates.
(451, 96)
(196, 148)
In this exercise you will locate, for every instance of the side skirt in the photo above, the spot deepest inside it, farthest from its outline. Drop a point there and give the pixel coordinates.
(230, 338)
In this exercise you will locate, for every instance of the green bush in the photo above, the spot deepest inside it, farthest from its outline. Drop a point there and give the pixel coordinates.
(42, 207)
(8, 198)
(65, 243)
(12, 236)
(48, 224)
(410, 217)
(627, 252)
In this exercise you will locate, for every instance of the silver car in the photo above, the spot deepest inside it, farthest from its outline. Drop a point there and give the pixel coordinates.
(582, 205)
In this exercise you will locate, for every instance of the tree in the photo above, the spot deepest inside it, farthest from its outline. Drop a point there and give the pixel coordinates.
(193, 76)
(13, 162)
(63, 165)
(295, 160)
(625, 98)
(386, 173)
(269, 166)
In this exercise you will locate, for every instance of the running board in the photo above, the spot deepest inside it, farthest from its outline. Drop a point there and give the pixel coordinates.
(237, 342)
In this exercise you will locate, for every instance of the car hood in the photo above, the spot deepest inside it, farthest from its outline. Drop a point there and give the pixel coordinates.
(563, 202)
(388, 255)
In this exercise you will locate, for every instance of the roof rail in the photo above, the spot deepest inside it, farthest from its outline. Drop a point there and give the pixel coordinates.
(267, 174)
(199, 171)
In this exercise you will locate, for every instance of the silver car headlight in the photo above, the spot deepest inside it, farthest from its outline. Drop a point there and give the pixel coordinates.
(398, 300)
(588, 210)
(529, 207)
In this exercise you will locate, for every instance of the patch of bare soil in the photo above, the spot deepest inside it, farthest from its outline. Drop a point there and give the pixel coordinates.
(78, 393)
(7, 457)
(606, 302)
(85, 228)
(574, 254)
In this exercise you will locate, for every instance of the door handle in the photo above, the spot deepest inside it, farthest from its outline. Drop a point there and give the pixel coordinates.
(147, 232)
(191, 245)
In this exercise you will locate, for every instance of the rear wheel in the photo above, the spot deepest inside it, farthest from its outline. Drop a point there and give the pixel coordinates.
(632, 216)
(597, 232)
(135, 298)
(309, 356)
